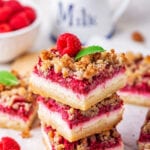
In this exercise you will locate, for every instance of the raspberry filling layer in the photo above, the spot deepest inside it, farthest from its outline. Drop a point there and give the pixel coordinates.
(80, 86)
(145, 131)
(75, 116)
(140, 88)
(20, 108)
(108, 139)
(144, 137)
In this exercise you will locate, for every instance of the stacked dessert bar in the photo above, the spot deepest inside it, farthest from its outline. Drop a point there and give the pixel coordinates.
(144, 139)
(137, 89)
(78, 106)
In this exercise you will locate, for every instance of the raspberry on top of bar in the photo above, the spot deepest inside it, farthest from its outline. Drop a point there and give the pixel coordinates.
(138, 72)
(17, 99)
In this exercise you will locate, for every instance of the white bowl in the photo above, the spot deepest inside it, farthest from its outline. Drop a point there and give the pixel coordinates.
(13, 44)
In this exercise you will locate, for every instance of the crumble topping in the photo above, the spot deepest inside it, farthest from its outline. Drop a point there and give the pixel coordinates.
(107, 138)
(26, 134)
(17, 97)
(138, 69)
(146, 128)
(94, 110)
(85, 68)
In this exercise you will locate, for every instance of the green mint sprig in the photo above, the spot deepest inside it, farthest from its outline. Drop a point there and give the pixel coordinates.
(8, 78)
(88, 50)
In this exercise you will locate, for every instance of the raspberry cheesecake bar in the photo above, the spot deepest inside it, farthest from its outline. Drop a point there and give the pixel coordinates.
(144, 139)
(80, 82)
(137, 90)
(18, 105)
(74, 124)
(108, 140)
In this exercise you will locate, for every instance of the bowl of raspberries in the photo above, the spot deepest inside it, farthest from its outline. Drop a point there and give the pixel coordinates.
(19, 26)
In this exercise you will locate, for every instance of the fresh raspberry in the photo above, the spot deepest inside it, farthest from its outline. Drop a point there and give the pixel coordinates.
(1, 146)
(68, 43)
(30, 13)
(4, 27)
(1, 3)
(5, 13)
(15, 5)
(19, 20)
(9, 144)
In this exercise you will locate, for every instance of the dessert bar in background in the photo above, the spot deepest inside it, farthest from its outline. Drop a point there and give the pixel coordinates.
(137, 89)
(18, 105)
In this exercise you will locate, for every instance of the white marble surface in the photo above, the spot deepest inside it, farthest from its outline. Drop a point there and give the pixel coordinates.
(129, 127)
(135, 18)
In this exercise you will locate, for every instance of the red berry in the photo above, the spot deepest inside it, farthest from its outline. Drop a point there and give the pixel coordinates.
(1, 146)
(14, 4)
(4, 27)
(19, 20)
(30, 12)
(9, 144)
(5, 13)
(1, 3)
(68, 43)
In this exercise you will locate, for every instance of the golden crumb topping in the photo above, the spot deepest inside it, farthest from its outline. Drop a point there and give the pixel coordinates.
(18, 95)
(85, 143)
(85, 68)
(94, 110)
(26, 134)
(138, 68)
(146, 127)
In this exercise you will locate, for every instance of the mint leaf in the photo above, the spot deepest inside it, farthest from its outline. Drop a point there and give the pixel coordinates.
(88, 50)
(8, 78)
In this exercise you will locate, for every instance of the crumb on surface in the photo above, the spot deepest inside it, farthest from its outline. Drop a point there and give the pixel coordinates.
(26, 134)
(137, 36)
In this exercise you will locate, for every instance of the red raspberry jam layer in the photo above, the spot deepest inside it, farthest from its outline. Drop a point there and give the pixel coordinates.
(144, 137)
(75, 117)
(80, 86)
(145, 131)
(19, 110)
(108, 139)
(140, 88)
